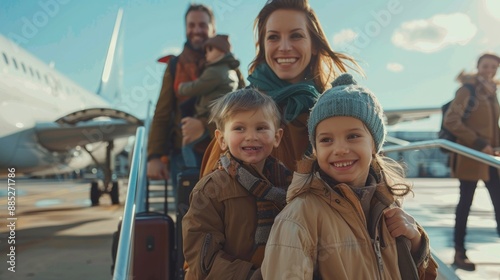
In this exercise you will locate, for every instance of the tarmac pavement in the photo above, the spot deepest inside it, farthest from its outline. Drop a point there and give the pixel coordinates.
(57, 234)
(433, 206)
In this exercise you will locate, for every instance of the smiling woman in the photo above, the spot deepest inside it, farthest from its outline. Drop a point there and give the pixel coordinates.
(292, 18)
(288, 46)
(293, 65)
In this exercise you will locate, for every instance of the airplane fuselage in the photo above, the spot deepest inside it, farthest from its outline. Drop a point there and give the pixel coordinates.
(31, 93)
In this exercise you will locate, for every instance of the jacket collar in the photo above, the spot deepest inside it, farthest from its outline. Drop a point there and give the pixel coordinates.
(304, 181)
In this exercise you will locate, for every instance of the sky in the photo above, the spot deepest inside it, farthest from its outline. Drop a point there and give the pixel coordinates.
(411, 51)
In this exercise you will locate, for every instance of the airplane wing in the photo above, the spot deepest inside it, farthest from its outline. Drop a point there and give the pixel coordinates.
(58, 138)
(395, 116)
(85, 127)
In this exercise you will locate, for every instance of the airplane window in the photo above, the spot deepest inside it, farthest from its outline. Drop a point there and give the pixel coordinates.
(15, 63)
(5, 58)
(31, 71)
(38, 74)
(46, 79)
(24, 67)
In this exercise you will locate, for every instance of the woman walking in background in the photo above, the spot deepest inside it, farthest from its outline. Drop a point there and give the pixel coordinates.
(479, 131)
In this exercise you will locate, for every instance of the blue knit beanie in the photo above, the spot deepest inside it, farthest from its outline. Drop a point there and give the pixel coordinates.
(346, 98)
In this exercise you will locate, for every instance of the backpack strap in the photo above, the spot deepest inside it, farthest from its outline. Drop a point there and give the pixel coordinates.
(471, 103)
(172, 65)
(171, 61)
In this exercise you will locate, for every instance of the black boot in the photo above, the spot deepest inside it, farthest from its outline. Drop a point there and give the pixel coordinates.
(461, 260)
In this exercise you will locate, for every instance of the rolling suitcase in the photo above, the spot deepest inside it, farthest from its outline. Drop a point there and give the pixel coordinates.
(154, 254)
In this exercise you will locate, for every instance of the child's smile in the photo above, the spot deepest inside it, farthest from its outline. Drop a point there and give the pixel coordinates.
(344, 149)
(250, 136)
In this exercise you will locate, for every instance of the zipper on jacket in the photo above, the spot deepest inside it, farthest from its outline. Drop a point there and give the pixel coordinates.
(376, 214)
(378, 254)
(375, 239)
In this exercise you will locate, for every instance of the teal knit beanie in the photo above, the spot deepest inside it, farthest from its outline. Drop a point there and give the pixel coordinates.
(346, 98)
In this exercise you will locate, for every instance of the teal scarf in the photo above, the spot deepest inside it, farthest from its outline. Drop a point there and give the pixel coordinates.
(295, 98)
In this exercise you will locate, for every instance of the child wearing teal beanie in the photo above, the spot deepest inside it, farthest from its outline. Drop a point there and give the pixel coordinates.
(343, 218)
(346, 98)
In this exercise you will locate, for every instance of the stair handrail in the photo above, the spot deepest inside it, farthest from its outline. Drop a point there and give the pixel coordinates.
(134, 202)
(448, 145)
(123, 266)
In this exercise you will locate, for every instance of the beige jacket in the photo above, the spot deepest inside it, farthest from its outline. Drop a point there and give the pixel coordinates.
(323, 233)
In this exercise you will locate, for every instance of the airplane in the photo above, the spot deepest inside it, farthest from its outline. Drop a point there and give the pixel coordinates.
(394, 116)
(51, 125)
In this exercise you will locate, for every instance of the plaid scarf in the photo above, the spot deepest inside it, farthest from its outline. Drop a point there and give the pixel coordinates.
(270, 192)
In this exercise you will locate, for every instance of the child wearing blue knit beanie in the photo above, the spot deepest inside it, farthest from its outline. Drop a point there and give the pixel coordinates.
(347, 99)
(343, 218)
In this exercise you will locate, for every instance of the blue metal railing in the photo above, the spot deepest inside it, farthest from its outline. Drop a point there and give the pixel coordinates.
(451, 146)
(123, 265)
(134, 203)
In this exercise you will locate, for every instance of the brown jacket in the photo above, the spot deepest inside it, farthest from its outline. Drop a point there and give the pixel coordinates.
(292, 147)
(165, 134)
(219, 228)
(478, 131)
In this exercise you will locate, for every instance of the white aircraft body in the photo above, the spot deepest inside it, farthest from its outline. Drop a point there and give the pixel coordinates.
(51, 125)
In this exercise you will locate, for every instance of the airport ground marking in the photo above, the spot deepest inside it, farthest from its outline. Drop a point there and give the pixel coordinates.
(11, 221)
